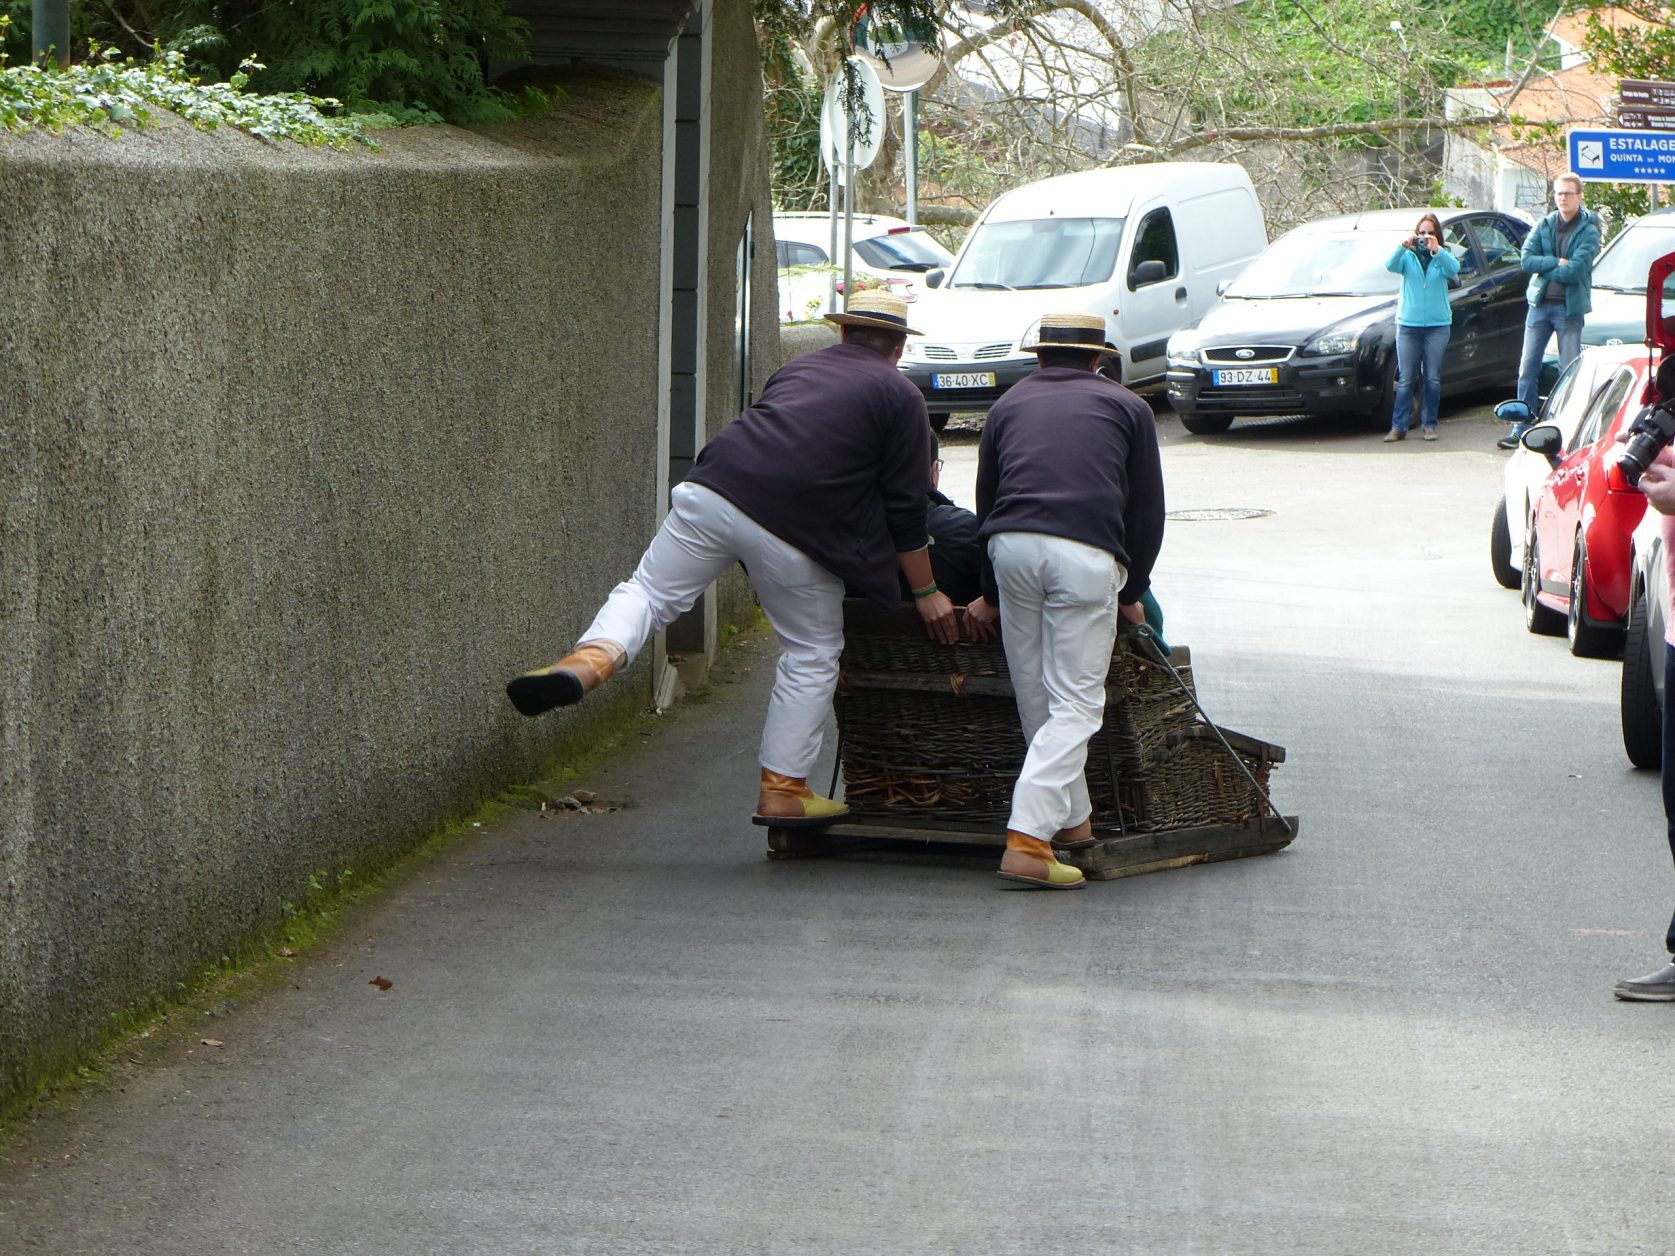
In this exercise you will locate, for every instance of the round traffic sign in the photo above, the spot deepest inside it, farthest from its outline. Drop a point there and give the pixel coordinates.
(868, 120)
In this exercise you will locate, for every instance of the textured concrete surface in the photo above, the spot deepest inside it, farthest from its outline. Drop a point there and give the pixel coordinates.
(302, 453)
(628, 1032)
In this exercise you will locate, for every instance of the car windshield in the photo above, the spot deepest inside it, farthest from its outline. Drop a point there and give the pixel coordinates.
(903, 250)
(1623, 266)
(1319, 264)
(1040, 253)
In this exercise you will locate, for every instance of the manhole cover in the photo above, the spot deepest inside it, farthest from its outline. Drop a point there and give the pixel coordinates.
(1220, 512)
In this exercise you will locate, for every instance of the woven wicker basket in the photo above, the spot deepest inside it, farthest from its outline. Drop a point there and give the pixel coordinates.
(931, 737)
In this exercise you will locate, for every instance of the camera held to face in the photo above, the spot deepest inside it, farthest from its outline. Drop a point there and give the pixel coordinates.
(1653, 427)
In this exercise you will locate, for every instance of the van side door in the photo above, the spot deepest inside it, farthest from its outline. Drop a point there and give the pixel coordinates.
(1151, 305)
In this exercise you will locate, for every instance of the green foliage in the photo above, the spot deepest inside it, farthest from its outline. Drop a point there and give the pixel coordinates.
(106, 92)
(411, 61)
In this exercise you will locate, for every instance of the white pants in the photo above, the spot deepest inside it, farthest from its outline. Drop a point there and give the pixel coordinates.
(703, 535)
(1058, 618)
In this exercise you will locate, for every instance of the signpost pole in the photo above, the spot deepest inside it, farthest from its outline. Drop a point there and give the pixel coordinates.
(910, 161)
(849, 210)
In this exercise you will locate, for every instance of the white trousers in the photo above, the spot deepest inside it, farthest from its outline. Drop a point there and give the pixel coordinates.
(1058, 618)
(703, 535)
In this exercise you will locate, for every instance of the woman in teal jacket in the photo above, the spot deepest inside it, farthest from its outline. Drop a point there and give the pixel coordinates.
(1424, 320)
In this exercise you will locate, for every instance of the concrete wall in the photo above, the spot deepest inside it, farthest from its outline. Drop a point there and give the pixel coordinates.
(302, 454)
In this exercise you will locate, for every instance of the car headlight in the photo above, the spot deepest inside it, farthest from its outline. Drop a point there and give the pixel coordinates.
(1333, 342)
(1183, 348)
(911, 350)
(1029, 337)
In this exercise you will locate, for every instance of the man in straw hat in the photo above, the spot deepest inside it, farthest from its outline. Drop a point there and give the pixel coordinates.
(1070, 492)
(819, 483)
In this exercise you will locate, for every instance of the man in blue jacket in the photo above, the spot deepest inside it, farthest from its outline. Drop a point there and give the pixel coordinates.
(1559, 257)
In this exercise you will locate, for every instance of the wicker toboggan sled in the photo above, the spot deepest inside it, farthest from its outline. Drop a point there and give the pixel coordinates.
(930, 747)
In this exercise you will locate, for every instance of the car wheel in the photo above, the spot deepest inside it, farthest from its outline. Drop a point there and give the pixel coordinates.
(1206, 424)
(1500, 549)
(1587, 641)
(1642, 721)
(1539, 619)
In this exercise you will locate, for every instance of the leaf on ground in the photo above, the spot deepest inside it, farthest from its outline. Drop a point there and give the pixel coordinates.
(212, 1042)
(383, 983)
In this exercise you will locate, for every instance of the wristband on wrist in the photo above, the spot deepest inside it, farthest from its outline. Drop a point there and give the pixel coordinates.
(926, 592)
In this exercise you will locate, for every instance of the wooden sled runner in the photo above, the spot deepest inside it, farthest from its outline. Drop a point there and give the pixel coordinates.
(930, 746)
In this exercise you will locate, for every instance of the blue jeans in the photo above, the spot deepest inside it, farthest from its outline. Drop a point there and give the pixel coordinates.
(1544, 319)
(1418, 352)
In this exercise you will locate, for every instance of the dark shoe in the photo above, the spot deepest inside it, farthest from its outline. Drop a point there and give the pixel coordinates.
(1507, 442)
(1395, 433)
(1658, 987)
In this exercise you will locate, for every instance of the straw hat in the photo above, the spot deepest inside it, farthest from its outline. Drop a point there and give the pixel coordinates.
(875, 308)
(1071, 331)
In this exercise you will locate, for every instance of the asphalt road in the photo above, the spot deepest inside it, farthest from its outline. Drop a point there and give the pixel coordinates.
(629, 1032)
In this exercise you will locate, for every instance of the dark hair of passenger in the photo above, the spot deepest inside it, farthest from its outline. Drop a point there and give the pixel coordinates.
(1076, 359)
(878, 339)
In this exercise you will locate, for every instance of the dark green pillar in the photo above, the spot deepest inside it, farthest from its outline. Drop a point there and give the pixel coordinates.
(51, 25)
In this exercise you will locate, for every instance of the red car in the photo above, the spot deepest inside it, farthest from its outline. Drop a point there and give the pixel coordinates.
(1578, 560)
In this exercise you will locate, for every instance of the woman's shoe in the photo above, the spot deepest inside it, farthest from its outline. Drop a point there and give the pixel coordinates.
(1395, 433)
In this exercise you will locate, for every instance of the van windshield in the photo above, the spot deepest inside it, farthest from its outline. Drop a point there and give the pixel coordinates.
(1315, 263)
(1041, 253)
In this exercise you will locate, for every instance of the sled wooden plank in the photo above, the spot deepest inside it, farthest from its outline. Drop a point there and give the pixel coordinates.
(1178, 848)
(1107, 860)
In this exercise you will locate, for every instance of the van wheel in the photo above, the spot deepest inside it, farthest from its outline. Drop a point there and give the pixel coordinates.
(1206, 424)
(1642, 720)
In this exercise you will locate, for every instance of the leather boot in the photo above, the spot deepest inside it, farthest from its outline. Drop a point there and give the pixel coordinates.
(1076, 837)
(1029, 862)
(786, 802)
(567, 681)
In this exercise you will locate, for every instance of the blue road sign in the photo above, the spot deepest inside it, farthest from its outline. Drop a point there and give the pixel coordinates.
(1623, 156)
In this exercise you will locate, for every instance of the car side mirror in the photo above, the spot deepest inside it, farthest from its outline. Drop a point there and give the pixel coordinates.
(1152, 271)
(934, 277)
(1546, 440)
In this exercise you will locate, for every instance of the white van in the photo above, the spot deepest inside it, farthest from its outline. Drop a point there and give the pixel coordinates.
(1145, 247)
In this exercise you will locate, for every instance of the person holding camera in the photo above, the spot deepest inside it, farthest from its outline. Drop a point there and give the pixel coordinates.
(1558, 255)
(1424, 321)
(1649, 453)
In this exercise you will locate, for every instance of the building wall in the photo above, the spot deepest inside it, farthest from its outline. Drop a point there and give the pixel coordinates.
(302, 454)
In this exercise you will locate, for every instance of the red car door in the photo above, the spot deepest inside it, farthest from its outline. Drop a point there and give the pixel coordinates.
(1559, 513)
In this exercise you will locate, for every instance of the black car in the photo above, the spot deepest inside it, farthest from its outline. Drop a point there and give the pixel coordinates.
(1309, 327)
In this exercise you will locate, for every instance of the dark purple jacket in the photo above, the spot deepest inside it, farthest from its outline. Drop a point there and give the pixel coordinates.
(833, 459)
(1070, 453)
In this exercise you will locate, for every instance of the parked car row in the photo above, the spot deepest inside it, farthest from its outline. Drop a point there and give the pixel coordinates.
(1570, 533)
(884, 251)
